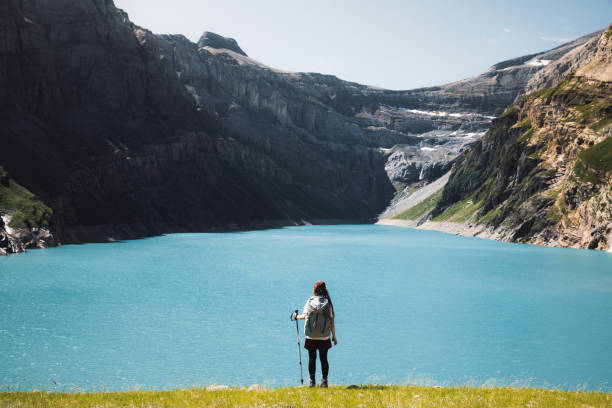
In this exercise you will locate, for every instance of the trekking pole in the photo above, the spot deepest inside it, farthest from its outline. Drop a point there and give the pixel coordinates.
(297, 329)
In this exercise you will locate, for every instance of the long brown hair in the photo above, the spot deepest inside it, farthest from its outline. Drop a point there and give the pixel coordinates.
(321, 290)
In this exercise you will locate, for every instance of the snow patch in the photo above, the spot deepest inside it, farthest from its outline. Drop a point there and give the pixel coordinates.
(474, 134)
(435, 113)
(538, 62)
(466, 135)
(427, 149)
(441, 113)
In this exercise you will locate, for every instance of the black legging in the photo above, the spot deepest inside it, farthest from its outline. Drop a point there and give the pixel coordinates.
(312, 362)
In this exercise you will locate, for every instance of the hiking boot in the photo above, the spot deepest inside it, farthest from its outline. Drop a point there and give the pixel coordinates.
(312, 383)
(324, 383)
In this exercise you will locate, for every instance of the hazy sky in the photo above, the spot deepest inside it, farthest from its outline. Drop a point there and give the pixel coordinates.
(396, 44)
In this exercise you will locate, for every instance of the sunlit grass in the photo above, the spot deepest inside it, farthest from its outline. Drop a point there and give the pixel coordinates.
(338, 396)
(422, 208)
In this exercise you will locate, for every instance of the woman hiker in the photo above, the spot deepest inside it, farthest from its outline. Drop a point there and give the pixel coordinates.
(319, 315)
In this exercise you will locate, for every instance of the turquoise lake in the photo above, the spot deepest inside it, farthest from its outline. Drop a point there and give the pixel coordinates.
(416, 307)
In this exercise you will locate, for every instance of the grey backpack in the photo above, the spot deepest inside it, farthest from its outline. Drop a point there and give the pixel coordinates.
(318, 317)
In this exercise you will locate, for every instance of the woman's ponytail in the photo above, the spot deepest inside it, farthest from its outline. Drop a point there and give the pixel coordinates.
(321, 290)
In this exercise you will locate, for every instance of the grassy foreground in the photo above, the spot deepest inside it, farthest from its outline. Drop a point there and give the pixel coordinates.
(337, 396)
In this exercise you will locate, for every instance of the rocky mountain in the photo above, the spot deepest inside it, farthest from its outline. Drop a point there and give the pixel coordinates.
(101, 121)
(216, 41)
(122, 133)
(543, 173)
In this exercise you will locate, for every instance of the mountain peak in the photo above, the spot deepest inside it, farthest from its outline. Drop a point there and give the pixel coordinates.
(213, 40)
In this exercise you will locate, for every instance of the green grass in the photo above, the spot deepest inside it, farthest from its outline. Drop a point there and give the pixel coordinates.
(400, 186)
(422, 208)
(553, 214)
(508, 112)
(599, 156)
(24, 207)
(491, 216)
(461, 211)
(592, 103)
(596, 114)
(525, 137)
(542, 149)
(598, 126)
(595, 163)
(364, 396)
(525, 123)
(584, 173)
(546, 93)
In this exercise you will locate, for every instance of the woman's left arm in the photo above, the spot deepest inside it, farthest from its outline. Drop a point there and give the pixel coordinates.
(333, 330)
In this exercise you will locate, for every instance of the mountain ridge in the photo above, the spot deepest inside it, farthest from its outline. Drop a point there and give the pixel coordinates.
(124, 133)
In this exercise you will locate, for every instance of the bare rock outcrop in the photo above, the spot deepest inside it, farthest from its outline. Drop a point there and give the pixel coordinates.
(214, 40)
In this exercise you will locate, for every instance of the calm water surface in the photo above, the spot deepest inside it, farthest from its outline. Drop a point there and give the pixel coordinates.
(412, 307)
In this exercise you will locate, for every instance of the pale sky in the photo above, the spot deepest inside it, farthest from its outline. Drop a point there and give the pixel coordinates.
(395, 44)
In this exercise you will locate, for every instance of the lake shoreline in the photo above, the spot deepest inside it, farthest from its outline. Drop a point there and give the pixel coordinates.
(470, 230)
(100, 234)
(463, 230)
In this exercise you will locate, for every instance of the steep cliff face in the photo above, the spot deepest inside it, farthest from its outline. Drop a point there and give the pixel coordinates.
(99, 121)
(543, 173)
(99, 124)
(122, 133)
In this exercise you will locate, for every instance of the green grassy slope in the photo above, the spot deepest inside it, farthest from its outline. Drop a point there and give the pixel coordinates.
(422, 208)
(24, 207)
